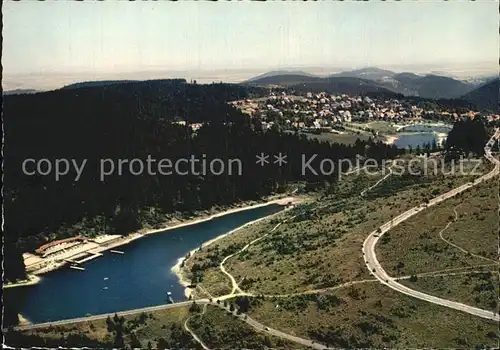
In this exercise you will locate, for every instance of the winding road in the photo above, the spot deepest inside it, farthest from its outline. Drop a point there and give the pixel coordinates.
(377, 270)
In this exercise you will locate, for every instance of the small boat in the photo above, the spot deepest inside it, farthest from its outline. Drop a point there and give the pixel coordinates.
(106, 278)
(105, 288)
(169, 298)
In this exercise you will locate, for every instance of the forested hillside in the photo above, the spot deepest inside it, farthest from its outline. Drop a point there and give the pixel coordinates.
(127, 121)
(486, 96)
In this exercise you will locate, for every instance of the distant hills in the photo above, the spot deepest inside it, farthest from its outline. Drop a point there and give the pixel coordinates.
(367, 73)
(309, 82)
(480, 91)
(285, 80)
(278, 73)
(83, 84)
(486, 96)
(97, 83)
(344, 85)
(431, 86)
(374, 79)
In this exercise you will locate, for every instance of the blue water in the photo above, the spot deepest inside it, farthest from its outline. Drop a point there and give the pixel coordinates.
(420, 135)
(139, 278)
(414, 140)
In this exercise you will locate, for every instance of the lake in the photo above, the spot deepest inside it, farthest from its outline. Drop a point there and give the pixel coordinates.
(419, 135)
(139, 278)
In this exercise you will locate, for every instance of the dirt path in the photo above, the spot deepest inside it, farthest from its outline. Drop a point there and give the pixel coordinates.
(457, 246)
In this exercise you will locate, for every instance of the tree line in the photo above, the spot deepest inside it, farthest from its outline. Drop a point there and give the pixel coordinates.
(468, 136)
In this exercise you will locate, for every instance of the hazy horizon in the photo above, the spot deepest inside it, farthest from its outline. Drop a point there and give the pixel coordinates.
(53, 80)
(50, 44)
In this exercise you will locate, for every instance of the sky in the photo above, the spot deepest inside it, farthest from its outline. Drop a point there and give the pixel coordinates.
(69, 39)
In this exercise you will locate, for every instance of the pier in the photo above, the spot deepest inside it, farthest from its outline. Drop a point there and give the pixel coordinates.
(93, 256)
(117, 252)
(77, 268)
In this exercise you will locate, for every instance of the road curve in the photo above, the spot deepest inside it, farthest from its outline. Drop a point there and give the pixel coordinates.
(376, 269)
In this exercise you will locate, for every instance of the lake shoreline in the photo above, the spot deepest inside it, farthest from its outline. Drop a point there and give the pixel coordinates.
(34, 278)
(390, 139)
(178, 270)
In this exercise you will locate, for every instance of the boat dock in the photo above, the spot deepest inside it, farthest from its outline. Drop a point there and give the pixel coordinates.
(84, 257)
(77, 268)
(93, 256)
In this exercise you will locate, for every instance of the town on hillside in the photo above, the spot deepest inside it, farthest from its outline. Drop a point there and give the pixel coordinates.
(336, 113)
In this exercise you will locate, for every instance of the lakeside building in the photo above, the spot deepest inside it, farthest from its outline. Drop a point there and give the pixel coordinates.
(56, 246)
(74, 250)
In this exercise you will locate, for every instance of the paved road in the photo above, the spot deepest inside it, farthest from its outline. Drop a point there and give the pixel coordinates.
(255, 324)
(98, 317)
(376, 269)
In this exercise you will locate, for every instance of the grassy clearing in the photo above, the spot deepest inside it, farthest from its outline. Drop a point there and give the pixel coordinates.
(219, 329)
(478, 221)
(210, 258)
(415, 245)
(477, 289)
(379, 128)
(321, 246)
(203, 266)
(373, 316)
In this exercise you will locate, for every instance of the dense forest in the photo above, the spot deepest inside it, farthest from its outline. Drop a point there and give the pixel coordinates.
(486, 96)
(467, 136)
(133, 121)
